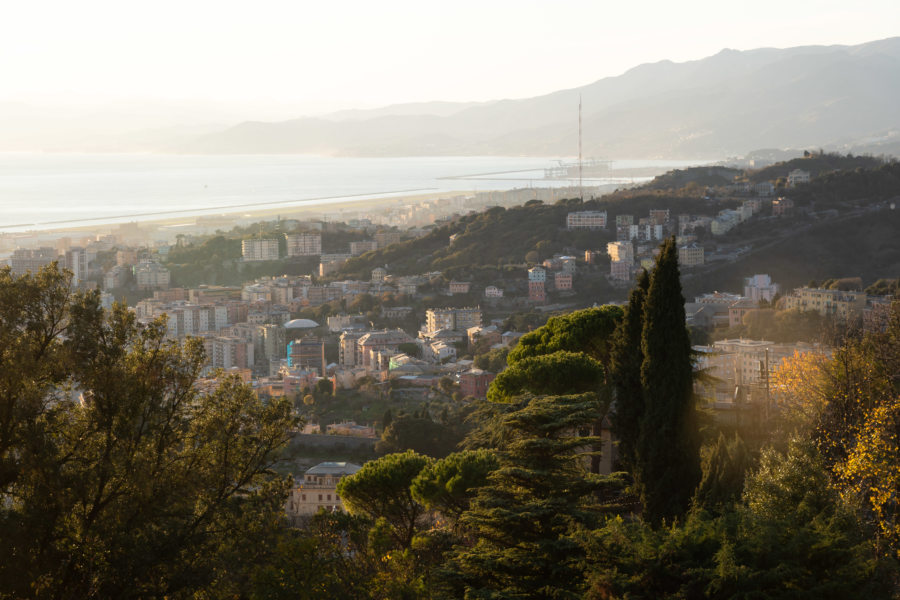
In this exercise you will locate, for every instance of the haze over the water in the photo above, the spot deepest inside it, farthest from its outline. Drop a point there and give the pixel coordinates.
(103, 68)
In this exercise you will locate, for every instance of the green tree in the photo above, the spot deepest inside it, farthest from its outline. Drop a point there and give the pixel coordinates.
(625, 365)
(724, 467)
(381, 489)
(555, 373)
(420, 434)
(449, 484)
(667, 456)
(790, 536)
(589, 331)
(523, 518)
(796, 533)
(120, 477)
(411, 349)
(493, 361)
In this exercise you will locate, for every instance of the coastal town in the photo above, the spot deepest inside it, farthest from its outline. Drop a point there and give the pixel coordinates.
(349, 353)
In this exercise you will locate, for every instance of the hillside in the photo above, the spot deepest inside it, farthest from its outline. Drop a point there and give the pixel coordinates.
(866, 246)
(856, 235)
(840, 97)
(501, 236)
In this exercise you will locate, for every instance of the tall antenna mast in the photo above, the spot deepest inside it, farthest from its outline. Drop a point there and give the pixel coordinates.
(580, 164)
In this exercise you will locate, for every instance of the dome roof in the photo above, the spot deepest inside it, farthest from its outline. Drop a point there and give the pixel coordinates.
(301, 324)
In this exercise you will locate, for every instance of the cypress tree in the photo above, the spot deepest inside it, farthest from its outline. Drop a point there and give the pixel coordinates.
(625, 367)
(667, 455)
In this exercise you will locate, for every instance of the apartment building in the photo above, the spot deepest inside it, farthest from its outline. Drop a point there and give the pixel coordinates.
(317, 491)
(455, 319)
(357, 248)
(259, 249)
(586, 219)
(150, 275)
(25, 260)
(621, 251)
(760, 287)
(836, 303)
(690, 255)
(303, 244)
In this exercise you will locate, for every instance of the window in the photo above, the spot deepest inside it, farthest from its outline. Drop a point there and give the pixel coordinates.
(320, 497)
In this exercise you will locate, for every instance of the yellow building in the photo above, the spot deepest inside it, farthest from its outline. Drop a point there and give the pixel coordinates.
(690, 255)
(318, 490)
(836, 303)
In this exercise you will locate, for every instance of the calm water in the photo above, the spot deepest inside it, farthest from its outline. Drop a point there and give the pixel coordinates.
(40, 191)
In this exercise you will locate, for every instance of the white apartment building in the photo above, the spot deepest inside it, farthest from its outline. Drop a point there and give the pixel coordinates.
(25, 260)
(586, 219)
(537, 274)
(357, 248)
(259, 249)
(760, 287)
(150, 275)
(193, 319)
(455, 319)
(797, 176)
(725, 222)
(621, 251)
(303, 244)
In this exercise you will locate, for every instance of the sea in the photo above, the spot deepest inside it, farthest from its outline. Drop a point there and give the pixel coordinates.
(41, 191)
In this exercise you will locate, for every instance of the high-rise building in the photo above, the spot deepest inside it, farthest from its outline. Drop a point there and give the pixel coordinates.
(308, 354)
(25, 260)
(259, 249)
(456, 319)
(621, 251)
(303, 244)
(760, 287)
(150, 275)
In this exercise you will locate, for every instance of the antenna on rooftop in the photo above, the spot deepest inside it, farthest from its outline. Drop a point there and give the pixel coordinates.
(580, 164)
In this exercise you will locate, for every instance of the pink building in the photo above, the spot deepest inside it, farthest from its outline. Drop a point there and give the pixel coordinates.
(536, 291)
(563, 281)
(620, 270)
(475, 383)
(460, 287)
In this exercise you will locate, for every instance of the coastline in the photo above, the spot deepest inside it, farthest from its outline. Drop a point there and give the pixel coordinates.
(206, 218)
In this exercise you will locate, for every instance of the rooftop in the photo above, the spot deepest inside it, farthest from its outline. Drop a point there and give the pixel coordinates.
(334, 468)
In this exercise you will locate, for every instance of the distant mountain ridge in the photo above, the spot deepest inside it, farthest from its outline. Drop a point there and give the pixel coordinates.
(837, 97)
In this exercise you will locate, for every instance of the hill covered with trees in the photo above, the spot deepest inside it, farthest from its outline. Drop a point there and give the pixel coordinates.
(858, 236)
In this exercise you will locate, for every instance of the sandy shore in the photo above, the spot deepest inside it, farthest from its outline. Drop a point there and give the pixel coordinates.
(230, 216)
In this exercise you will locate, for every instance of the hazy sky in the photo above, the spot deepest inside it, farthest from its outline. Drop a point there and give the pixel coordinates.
(288, 58)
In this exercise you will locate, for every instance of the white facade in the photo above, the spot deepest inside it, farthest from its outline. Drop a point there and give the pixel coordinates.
(586, 219)
(620, 251)
(797, 176)
(264, 249)
(150, 275)
(537, 274)
(357, 248)
(760, 287)
(303, 244)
